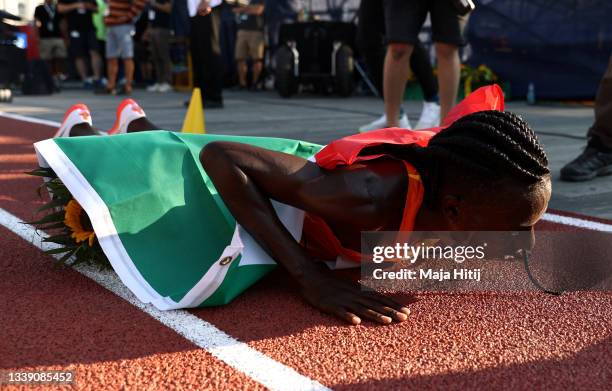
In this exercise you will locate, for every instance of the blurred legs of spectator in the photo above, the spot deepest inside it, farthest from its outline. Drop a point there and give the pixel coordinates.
(227, 41)
(403, 22)
(143, 66)
(371, 41)
(596, 159)
(206, 57)
(160, 55)
(119, 44)
(249, 44)
(53, 51)
(98, 23)
(81, 45)
(273, 30)
(449, 72)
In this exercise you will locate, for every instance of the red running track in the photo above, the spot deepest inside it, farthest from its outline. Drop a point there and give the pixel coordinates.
(57, 318)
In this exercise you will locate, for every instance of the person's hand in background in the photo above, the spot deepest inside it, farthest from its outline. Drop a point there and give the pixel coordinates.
(204, 8)
(91, 6)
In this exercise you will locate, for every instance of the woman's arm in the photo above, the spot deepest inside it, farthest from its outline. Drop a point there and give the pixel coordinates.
(246, 177)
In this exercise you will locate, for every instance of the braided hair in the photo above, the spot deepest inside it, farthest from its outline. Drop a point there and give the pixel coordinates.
(488, 145)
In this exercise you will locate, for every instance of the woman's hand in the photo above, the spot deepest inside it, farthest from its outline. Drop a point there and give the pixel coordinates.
(346, 300)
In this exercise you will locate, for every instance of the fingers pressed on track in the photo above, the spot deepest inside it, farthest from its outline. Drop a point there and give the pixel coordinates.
(364, 311)
(387, 301)
(385, 310)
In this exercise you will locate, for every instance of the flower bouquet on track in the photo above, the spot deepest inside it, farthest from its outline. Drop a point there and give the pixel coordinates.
(67, 223)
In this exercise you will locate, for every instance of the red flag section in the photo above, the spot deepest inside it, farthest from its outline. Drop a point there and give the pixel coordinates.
(345, 151)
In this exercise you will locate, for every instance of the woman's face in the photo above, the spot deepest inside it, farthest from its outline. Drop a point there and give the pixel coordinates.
(506, 206)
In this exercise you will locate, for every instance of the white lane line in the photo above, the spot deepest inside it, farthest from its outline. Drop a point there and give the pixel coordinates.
(238, 355)
(29, 119)
(576, 222)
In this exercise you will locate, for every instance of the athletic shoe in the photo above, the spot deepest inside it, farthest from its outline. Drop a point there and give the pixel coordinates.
(404, 122)
(127, 112)
(430, 116)
(77, 114)
(153, 88)
(591, 163)
(164, 87)
(381, 123)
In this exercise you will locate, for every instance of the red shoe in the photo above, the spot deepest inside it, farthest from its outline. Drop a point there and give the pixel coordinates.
(127, 112)
(77, 114)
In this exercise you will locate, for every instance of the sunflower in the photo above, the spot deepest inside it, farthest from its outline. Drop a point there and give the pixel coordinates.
(72, 219)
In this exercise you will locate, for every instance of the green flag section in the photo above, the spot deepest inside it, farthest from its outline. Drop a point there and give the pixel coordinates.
(158, 217)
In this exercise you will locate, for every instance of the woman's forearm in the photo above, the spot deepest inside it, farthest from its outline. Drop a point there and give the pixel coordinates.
(247, 178)
(253, 210)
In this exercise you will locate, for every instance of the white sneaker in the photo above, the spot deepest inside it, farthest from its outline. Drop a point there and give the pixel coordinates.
(376, 124)
(430, 116)
(77, 114)
(381, 123)
(127, 112)
(153, 88)
(164, 87)
(404, 122)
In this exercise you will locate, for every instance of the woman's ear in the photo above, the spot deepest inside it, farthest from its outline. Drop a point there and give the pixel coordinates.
(451, 210)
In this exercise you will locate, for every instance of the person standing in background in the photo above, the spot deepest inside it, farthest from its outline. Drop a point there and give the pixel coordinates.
(98, 21)
(52, 46)
(159, 38)
(372, 45)
(206, 52)
(250, 41)
(277, 13)
(119, 21)
(596, 159)
(83, 41)
(403, 22)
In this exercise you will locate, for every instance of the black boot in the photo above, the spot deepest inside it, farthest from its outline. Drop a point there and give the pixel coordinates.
(594, 161)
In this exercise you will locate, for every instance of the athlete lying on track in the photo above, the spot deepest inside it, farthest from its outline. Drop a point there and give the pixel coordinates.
(485, 172)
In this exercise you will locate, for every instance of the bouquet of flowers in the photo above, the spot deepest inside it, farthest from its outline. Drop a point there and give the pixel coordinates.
(69, 224)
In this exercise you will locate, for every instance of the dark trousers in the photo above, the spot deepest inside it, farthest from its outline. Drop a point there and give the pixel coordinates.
(371, 43)
(601, 131)
(206, 55)
(160, 54)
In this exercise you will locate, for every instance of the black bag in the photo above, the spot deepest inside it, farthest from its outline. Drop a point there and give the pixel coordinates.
(37, 79)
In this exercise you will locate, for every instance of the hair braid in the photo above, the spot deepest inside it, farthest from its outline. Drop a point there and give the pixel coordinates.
(498, 143)
(487, 144)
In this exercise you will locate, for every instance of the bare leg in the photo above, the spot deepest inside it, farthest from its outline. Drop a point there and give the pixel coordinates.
(81, 68)
(257, 67)
(128, 64)
(397, 68)
(141, 125)
(449, 69)
(242, 72)
(96, 64)
(83, 129)
(113, 68)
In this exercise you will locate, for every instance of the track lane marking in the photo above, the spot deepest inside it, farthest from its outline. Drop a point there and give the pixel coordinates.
(33, 120)
(236, 354)
(577, 222)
